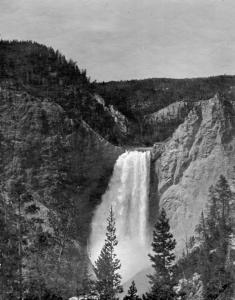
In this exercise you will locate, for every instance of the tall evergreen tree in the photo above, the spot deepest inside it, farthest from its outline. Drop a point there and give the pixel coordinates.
(107, 265)
(132, 293)
(215, 233)
(162, 280)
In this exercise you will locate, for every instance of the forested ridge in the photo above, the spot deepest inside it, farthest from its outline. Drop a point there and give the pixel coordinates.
(45, 73)
(55, 164)
(206, 269)
(57, 155)
(150, 95)
(207, 264)
(139, 99)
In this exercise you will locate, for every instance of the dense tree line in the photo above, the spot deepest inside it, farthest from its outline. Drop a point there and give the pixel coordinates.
(24, 245)
(208, 261)
(209, 252)
(45, 73)
(150, 95)
(34, 64)
(138, 99)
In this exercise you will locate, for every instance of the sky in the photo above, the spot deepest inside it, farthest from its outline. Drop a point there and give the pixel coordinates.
(130, 39)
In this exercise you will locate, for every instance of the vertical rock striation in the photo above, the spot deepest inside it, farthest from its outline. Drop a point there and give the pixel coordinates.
(200, 150)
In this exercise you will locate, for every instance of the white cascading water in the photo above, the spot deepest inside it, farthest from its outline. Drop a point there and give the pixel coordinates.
(128, 194)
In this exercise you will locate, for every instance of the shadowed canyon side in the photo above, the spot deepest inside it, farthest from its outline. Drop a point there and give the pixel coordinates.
(128, 195)
(42, 144)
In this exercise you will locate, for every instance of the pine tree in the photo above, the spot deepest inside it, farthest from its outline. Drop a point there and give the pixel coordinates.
(107, 265)
(162, 280)
(132, 293)
(215, 232)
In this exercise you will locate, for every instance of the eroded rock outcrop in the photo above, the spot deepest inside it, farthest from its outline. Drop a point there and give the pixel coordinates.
(119, 119)
(65, 167)
(200, 150)
(171, 112)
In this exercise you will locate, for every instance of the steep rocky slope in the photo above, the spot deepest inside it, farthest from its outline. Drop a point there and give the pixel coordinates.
(65, 167)
(157, 106)
(200, 150)
(57, 142)
(161, 124)
(170, 112)
(57, 137)
(186, 165)
(120, 120)
(45, 73)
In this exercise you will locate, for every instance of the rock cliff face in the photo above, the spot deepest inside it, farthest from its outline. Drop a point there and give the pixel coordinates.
(160, 125)
(56, 135)
(120, 120)
(65, 166)
(168, 113)
(184, 167)
(200, 150)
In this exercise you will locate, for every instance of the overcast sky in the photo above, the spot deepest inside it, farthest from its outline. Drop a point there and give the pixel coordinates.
(126, 39)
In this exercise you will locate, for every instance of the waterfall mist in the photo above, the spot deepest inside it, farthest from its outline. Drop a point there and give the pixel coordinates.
(128, 194)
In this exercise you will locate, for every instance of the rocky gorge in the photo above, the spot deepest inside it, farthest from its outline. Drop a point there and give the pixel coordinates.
(184, 167)
(60, 140)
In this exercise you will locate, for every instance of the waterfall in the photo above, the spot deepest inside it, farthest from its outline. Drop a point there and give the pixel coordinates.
(128, 194)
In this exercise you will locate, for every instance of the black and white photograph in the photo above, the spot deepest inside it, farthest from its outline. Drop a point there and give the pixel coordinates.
(117, 150)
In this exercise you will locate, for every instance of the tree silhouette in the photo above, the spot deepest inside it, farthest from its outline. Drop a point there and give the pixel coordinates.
(106, 267)
(162, 280)
(132, 293)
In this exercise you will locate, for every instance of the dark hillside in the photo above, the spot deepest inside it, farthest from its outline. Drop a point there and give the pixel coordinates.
(55, 165)
(139, 100)
(45, 73)
(34, 65)
(141, 97)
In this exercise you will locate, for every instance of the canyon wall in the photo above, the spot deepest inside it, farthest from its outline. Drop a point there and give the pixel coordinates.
(199, 151)
(64, 166)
